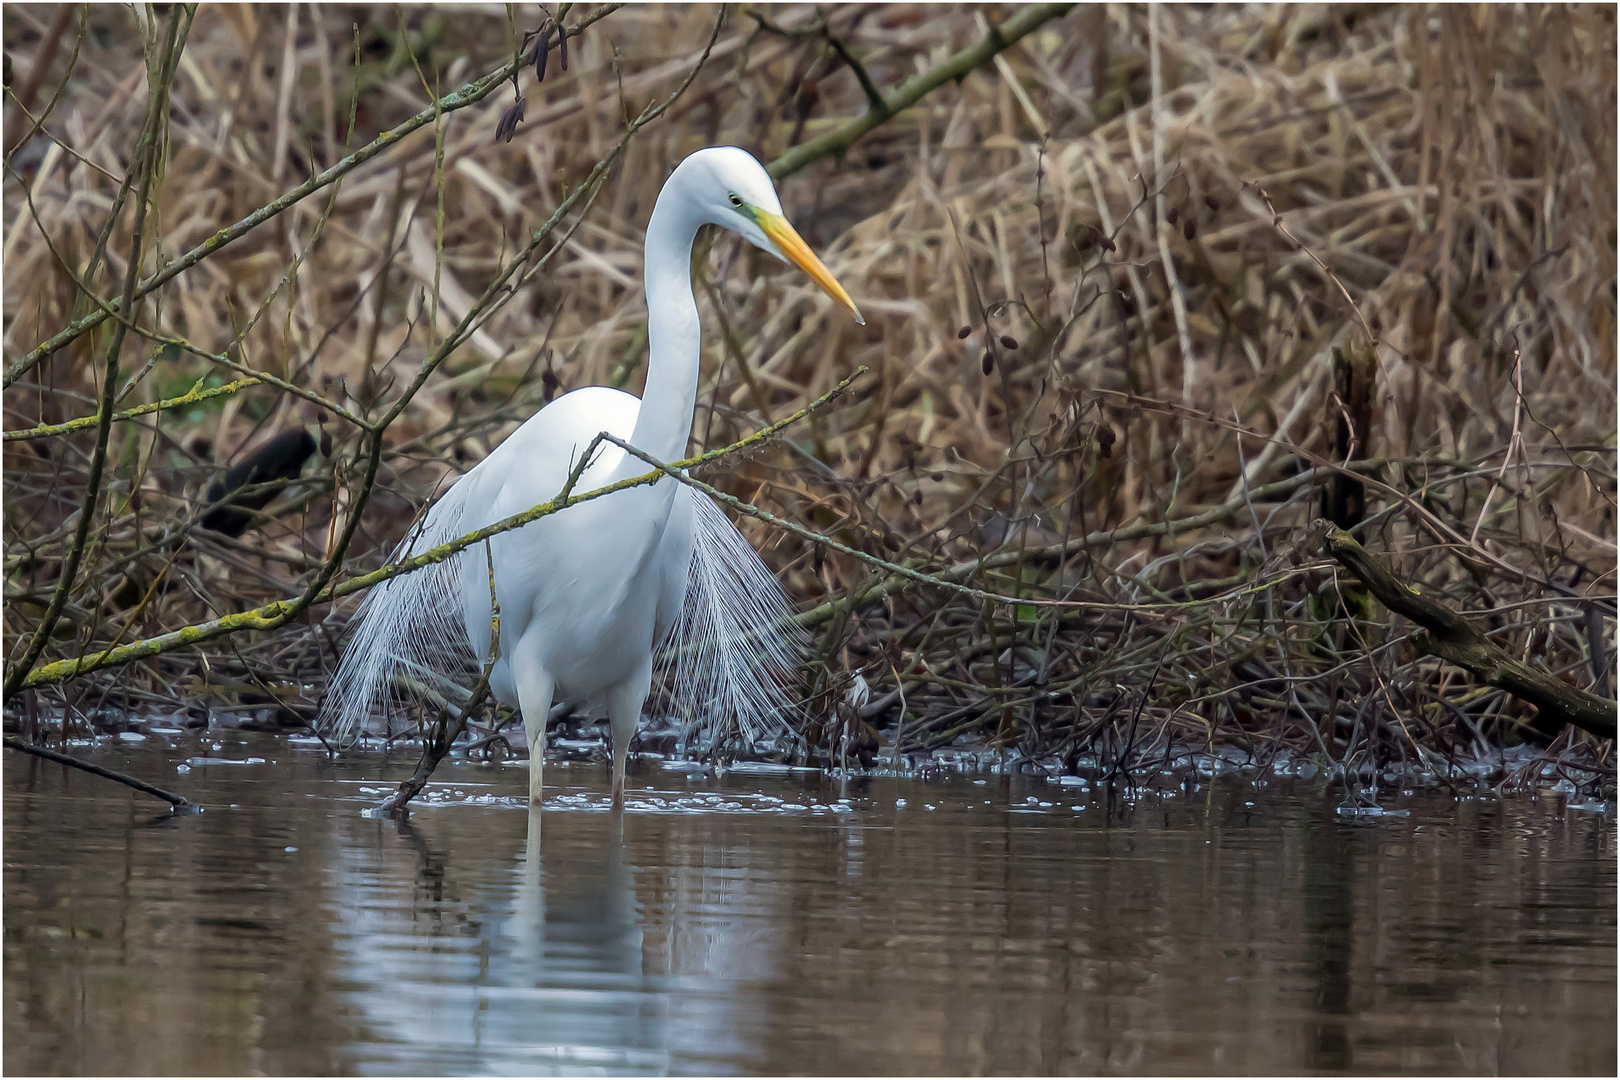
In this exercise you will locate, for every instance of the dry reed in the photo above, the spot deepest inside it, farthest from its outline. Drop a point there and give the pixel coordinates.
(1105, 278)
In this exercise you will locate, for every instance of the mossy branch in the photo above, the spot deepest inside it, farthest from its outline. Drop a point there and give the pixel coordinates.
(914, 89)
(274, 615)
(162, 55)
(191, 397)
(1450, 637)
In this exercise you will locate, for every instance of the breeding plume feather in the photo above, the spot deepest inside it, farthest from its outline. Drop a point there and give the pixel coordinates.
(735, 645)
(588, 595)
(410, 643)
(728, 661)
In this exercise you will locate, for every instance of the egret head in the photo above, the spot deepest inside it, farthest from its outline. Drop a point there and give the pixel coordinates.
(729, 188)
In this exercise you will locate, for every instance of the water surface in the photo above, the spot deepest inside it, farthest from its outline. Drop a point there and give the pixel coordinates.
(755, 923)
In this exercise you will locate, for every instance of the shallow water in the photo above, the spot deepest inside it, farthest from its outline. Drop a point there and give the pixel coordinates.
(754, 923)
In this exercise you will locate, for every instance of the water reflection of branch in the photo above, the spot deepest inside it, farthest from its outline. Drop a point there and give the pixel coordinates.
(431, 866)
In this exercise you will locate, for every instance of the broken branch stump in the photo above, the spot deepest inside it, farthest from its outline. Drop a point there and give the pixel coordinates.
(1450, 637)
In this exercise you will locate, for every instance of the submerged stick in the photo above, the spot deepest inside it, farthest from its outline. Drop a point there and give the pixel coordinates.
(179, 802)
(1450, 637)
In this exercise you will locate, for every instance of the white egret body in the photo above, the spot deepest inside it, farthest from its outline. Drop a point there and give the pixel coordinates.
(587, 595)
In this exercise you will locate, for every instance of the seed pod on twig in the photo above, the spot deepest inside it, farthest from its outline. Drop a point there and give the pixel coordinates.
(1105, 441)
(1190, 228)
(1009, 343)
(510, 119)
(989, 361)
(541, 49)
(1172, 215)
(962, 334)
(562, 47)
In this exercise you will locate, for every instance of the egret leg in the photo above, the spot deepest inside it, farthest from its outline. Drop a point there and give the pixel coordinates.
(534, 687)
(624, 704)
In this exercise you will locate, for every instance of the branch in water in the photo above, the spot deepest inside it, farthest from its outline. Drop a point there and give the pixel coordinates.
(1450, 637)
(179, 802)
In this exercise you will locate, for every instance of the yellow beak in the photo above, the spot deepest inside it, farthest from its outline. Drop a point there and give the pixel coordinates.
(797, 252)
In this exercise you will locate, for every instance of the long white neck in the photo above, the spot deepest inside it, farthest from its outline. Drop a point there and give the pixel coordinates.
(674, 336)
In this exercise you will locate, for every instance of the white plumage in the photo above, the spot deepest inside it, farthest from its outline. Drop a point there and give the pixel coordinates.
(589, 595)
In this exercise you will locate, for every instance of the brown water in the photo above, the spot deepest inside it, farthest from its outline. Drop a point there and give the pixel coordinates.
(748, 924)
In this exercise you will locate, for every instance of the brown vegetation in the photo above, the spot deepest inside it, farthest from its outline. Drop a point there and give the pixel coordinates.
(1146, 293)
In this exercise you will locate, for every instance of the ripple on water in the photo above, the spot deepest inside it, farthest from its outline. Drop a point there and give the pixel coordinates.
(789, 922)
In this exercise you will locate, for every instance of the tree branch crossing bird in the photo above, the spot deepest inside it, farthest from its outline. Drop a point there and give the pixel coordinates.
(588, 595)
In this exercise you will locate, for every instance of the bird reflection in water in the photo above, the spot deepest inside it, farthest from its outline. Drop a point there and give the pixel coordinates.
(550, 981)
(568, 987)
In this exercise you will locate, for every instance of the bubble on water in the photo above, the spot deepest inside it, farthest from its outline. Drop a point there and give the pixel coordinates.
(899, 804)
(289, 849)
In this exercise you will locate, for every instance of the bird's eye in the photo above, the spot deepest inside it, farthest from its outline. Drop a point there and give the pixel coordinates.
(736, 200)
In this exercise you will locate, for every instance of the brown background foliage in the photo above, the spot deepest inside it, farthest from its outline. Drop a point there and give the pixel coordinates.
(1156, 227)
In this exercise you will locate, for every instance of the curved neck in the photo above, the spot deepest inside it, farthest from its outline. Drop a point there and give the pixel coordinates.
(674, 336)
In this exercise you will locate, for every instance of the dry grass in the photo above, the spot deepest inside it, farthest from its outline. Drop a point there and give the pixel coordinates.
(1119, 197)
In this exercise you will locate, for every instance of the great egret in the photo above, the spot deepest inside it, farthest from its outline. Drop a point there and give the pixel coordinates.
(588, 594)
